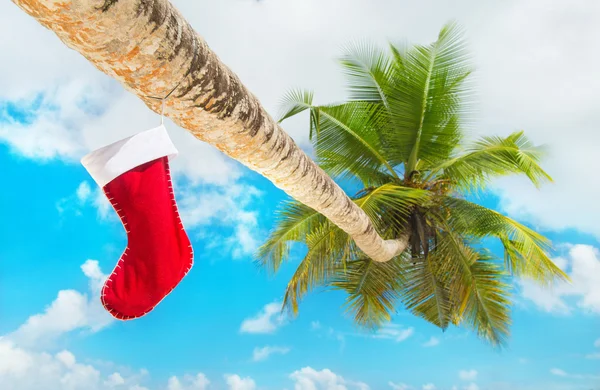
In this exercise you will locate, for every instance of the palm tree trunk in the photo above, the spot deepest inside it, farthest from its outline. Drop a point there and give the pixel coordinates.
(150, 48)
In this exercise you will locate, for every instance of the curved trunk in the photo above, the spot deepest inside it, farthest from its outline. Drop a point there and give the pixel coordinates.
(150, 48)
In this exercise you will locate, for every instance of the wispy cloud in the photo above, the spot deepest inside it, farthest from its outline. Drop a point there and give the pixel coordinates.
(432, 342)
(594, 355)
(268, 320)
(261, 354)
(564, 374)
(188, 382)
(86, 195)
(467, 375)
(399, 386)
(394, 332)
(308, 378)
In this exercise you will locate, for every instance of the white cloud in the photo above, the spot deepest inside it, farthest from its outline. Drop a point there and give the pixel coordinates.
(114, 380)
(235, 382)
(22, 369)
(429, 386)
(595, 355)
(188, 382)
(394, 332)
(229, 207)
(66, 358)
(85, 196)
(432, 342)
(83, 191)
(562, 373)
(308, 378)
(71, 310)
(103, 206)
(56, 118)
(558, 372)
(260, 354)
(583, 266)
(472, 386)
(268, 320)
(467, 375)
(546, 114)
(330, 333)
(399, 386)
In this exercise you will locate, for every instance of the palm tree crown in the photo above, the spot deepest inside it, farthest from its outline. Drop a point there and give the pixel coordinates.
(400, 136)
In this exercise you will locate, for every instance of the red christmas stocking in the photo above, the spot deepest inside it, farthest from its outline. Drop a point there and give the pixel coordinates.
(135, 177)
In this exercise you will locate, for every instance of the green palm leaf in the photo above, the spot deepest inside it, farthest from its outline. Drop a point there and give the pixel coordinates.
(478, 289)
(295, 222)
(295, 102)
(427, 100)
(389, 206)
(373, 289)
(527, 252)
(348, 144)
(329, 248)
(426, 292)
(327, 245)
(368, 70)
(486, 301)
(492, 157)
(345, 137)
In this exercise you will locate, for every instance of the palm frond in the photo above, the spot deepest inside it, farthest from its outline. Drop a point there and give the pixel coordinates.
(477, 286)
(372, 288)
(492, 157)
(348, 144)
(486, 301)
(368, 70)
(527, 252)
(294, 102)
(389, 206)
(294, 223)
(327, 246)
(428, 100)
(426, 292)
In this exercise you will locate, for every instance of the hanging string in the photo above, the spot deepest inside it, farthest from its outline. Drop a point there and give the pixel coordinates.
(163, 99)
(162, 102)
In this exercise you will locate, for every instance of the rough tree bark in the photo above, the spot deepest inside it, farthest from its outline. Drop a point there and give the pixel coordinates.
(150, 48)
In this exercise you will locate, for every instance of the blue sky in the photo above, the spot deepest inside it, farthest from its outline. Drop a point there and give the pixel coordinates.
(219, 328)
